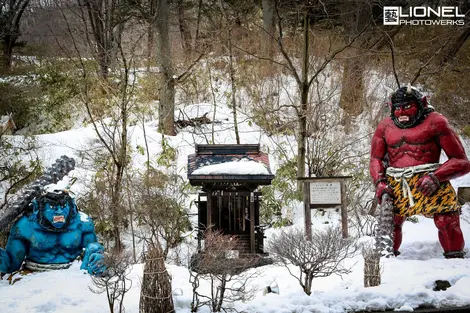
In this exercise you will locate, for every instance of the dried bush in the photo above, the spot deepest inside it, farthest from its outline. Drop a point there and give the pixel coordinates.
(321, 256)
(225, 272)
(114, 281)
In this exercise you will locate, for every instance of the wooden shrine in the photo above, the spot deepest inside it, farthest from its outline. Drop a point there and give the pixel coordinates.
(229, 176)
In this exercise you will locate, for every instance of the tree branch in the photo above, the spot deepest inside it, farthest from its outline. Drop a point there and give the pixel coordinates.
(333, 55)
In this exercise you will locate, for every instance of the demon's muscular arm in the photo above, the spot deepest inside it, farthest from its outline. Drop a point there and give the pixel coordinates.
(94, 252)
(377, 157)
(457, 164)
(17, 246)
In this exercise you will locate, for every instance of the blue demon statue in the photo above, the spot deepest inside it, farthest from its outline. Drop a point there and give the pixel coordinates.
(52, 236)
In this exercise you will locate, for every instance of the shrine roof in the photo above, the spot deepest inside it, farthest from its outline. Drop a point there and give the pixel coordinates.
(229, 163)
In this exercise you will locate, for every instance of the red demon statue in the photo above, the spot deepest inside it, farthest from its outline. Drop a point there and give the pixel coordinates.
(404, 163)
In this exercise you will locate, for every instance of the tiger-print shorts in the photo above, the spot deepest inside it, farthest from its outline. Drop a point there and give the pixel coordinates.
(444, 200)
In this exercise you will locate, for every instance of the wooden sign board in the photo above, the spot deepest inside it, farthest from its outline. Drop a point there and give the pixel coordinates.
(325, 194)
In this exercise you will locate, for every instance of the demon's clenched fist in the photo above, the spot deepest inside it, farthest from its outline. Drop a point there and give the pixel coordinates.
(404, 163)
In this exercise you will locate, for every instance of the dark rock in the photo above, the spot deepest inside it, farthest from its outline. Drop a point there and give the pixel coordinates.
(441, 285)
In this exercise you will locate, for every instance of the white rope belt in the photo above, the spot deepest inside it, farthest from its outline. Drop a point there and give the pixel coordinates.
(401, 174)
(39, 267)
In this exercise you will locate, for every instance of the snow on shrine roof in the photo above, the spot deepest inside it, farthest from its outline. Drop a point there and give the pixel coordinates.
(239, 167)
(229, 163)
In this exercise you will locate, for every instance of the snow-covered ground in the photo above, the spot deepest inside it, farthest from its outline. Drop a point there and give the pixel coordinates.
(407, 281)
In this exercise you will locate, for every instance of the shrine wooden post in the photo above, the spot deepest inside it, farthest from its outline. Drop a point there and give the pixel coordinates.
(252, 222)
(209, 210)
(325, 192)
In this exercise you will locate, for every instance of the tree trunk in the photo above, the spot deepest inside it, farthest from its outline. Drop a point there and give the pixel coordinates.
(184, 29)
(116, 207)
(116, 40)
(7, 45)
(155, 294)
(96, 10)
(166, 80)
(107, 30)
(220, 294)
(452, 50)
(120, 164)
(215, 104)
(267, 33)
(308, 283)
(150, 46)
(196, 44)
(302, 137)
(11, 13)
(302, 113)
(103, 63)
(352, 97)
(234, 89)
(352, 92)
(151, 35)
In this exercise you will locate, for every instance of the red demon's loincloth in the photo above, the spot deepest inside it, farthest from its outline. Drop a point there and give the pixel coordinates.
(442, 201)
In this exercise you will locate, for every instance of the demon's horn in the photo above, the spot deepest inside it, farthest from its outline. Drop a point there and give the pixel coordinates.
(408, 89)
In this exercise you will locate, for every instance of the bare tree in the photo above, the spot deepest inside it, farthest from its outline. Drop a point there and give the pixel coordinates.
(157, 208)
(116, 104)
(354, 17)
(225, 272)
(321, 256)
(228, 24)
(303, 78)
(104, 195)
(269, 26)
(105, 19)
(186, 38)
(114, 281)
(115, 140)
(162, 221)
(166, 120)
(156, 14)
(11, 12)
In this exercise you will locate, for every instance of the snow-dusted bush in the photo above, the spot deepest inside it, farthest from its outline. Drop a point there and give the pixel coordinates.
(321, 256)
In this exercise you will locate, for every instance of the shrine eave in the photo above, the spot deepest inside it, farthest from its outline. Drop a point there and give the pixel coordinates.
(199, 180)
